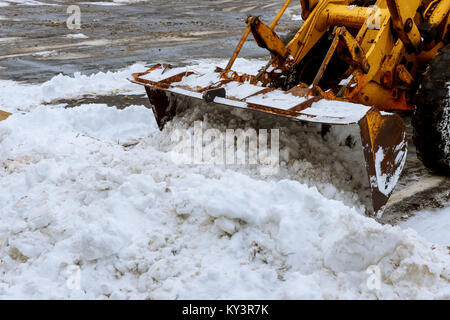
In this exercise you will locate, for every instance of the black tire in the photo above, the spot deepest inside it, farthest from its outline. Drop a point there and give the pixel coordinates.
(431, 120)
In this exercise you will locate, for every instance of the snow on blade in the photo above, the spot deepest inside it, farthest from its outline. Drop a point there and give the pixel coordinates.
(432, 225)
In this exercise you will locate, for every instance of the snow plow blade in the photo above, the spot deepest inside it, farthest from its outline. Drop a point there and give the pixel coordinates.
(369, 143)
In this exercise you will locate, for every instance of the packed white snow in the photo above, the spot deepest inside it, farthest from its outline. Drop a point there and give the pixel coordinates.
(433, 225)
(78, 203)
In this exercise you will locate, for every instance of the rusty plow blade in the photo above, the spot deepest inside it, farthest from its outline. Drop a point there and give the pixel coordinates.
(370, 144)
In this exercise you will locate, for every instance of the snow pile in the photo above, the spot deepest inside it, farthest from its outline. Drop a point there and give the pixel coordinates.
(85, 215)
(114, 2)
(16, 96)
(136, 225)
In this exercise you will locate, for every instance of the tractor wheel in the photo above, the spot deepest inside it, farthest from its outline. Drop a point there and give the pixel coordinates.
(431, 120)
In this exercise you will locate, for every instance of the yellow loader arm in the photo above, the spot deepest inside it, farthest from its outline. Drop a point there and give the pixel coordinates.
(346, 64)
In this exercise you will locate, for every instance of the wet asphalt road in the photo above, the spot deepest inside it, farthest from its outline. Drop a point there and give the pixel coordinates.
(118, 36)
(35, 45)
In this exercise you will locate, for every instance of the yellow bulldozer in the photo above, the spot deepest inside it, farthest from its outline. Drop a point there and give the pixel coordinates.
(348, 69)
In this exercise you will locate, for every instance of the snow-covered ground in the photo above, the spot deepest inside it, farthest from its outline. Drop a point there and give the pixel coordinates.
(77, 202)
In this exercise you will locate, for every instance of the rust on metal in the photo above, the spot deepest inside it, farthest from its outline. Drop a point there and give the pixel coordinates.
(357, 54)
(177, 77)
(276, 111)
(4, 115)
(234, 76)
(300, 91)
(388, 134)
(156, 66)
(404, 77)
